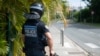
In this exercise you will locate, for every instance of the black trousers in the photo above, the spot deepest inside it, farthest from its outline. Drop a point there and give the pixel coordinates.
(34, 52)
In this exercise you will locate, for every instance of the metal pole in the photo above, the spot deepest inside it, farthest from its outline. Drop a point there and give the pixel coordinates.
(92, 18)
(9, 36)
(62, 37)
(92, 14)
(9, 42)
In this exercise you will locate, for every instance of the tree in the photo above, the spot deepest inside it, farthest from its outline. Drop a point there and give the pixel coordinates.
(94, 6)
(11, 20)
(52, 8)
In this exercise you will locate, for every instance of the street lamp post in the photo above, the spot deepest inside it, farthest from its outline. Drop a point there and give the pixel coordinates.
(80, 13)
(92, 14)
(80, 10)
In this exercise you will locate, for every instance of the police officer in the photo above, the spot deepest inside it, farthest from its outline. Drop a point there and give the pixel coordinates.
(33, 31)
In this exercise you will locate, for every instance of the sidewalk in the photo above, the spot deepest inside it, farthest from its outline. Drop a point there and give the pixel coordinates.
(69, 48)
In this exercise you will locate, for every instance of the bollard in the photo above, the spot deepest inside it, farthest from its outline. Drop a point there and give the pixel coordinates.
(62, 37)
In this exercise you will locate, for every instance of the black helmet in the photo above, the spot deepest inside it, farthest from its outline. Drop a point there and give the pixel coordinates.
(37, 7)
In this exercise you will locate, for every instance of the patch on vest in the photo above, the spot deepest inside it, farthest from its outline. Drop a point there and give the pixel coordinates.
(30, 31)
(46, 26)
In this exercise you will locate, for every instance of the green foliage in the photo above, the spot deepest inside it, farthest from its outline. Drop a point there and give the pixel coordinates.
(65, 6)
(94, 5)
(3, 44)
(54, 7)
(45, 19)
(12, 11)
(85, 15)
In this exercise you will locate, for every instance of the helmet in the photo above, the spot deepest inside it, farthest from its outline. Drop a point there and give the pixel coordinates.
(37, 7)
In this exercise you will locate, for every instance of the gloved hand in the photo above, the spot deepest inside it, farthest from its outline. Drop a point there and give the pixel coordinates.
(51, 54)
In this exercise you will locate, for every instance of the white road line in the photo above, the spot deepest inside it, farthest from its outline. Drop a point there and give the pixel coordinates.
(91, 45)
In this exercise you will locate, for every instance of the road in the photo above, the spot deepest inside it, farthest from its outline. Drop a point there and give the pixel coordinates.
(87, 37)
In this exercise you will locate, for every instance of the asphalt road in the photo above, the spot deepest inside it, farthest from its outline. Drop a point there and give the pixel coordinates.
(87, 37)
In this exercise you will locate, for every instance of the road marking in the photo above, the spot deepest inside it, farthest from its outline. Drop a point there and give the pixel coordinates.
(91, 45)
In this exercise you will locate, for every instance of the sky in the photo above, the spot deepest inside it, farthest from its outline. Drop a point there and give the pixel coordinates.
(76, 3)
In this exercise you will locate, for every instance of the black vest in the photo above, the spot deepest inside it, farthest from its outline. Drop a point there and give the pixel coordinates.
(33, 34)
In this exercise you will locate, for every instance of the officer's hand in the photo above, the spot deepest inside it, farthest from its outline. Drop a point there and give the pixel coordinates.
(52, 53)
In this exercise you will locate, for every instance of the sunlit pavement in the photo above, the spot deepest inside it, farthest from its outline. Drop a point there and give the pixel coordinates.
(68, 49)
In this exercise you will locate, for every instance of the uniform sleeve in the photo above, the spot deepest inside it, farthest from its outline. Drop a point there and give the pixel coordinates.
(45, 28)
